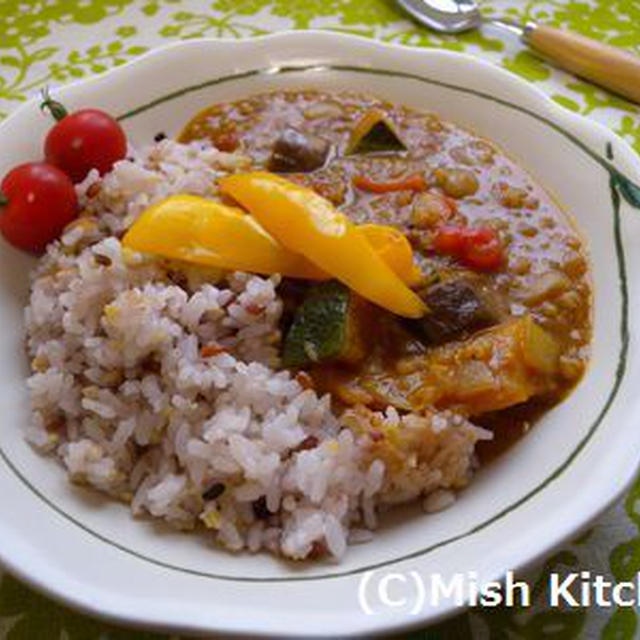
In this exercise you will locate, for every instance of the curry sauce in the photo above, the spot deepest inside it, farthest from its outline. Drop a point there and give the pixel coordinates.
(509, 342)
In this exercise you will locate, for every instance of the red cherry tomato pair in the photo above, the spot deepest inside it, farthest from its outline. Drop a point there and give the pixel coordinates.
(478, 248)
(37, 199)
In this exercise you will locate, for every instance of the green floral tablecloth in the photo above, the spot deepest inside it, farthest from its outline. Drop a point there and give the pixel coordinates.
(56, 41)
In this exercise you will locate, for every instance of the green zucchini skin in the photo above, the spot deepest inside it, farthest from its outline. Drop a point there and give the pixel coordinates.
(380, 138)
(324, 328)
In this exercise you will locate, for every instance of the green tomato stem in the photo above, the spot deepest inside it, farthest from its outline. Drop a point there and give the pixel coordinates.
(4, 201)
(56, 109)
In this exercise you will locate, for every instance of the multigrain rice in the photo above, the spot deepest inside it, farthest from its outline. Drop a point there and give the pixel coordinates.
(159, 384)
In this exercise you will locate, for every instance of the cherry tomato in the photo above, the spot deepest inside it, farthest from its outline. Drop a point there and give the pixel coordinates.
(37, 201)
(83, 140)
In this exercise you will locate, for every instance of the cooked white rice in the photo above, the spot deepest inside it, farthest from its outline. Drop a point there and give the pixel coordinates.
(124, 395)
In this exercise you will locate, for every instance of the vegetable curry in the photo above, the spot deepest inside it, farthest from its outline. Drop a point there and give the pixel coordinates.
(502, 329)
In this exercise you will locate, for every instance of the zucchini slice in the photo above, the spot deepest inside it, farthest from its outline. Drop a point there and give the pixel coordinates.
(374, 133)
(326, 328)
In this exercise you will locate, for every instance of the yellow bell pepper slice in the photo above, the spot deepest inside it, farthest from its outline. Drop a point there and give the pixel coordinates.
(194, 229)
(307, 223)
(201, 231)
(394, 248)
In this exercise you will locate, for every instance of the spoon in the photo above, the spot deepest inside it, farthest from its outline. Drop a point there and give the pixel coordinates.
(602, 64)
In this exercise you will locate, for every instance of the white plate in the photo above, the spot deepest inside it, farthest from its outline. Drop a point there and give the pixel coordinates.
(93, 555)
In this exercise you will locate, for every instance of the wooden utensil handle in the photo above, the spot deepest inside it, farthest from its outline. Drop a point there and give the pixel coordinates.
(603, 64)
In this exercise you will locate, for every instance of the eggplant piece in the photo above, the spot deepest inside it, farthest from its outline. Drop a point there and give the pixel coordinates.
(327, 327)
(456, 309)
(373, 133)
(297, 152)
